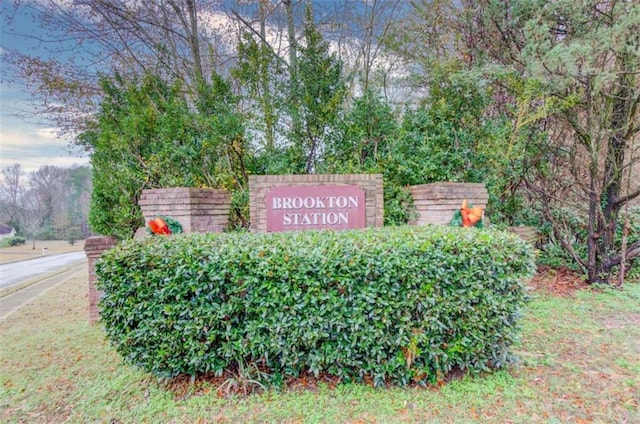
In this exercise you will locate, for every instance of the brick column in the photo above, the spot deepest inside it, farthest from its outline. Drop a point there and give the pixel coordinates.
(93, 248)
(198, 210)
(435, 203)
(526, 233)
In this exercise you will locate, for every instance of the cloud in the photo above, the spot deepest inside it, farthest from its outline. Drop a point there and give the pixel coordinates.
(35, 147)
(31, 144)
(47, 133)
(35, 163)
(31, 137)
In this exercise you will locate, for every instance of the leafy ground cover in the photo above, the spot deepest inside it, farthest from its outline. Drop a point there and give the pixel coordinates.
(26, 251)
(580, 362)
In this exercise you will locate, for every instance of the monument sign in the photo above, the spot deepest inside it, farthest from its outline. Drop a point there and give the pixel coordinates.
(315, 201)
(336, 207)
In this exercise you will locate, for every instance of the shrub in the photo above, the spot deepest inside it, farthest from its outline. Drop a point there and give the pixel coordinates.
(554, 255)
(392, 304)
(16, 241)
(73, 234)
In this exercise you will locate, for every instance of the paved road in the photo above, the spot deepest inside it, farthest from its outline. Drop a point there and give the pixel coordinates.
(17, 272)
(21, 294)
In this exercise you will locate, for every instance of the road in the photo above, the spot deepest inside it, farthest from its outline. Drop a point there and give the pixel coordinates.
(14, 297)
(17, 272)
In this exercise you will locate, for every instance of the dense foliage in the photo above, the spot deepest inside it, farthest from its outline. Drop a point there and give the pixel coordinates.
(146, 135)
(564, 75)
(394, 304)
(15, 241)
(552, 253)
(537, 99)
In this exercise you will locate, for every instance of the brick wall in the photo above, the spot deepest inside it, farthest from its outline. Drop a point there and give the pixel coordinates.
(93, 248)
(198, 210)
(435, 203)
(529, 234)
(371, 184)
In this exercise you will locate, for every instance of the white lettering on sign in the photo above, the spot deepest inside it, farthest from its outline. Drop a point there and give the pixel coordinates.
(292, 208)
(341, 202)
(330, 218)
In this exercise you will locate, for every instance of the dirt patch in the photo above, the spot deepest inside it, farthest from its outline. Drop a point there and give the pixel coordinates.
(558, 281)
(621, 321)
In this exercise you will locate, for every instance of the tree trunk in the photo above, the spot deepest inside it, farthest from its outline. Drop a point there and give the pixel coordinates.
(592, 241)
(189, 22)
(606, 253)
(269, 119)
(291, 33)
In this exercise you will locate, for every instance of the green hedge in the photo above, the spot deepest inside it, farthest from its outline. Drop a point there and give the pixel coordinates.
(16, 241)
(392, 304)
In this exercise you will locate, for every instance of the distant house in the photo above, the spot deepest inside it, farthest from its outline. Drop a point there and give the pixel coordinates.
(6, 231)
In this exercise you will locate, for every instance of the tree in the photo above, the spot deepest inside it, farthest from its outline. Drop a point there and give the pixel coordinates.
(366, 140)
(359, 40)
(46, 187)
(11, 192)
(317, 95)
(92, 37)
(583, 60)
(295, 95)
(32, 218)
(49, 202)
(259, 72)
(78, 185)
(147, 136)
(586, 58)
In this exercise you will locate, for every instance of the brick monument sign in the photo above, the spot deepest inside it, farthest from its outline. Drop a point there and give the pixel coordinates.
(314, 202)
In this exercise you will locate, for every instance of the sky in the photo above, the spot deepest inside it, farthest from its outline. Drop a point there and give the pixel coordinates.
(30, 143)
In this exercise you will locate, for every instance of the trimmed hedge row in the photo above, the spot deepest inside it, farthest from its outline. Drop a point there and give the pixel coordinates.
(392, 304)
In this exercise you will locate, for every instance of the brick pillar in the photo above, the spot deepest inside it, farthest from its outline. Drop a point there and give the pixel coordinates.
(93, 248)
(198, 210)
(526, 233)
(436, 203)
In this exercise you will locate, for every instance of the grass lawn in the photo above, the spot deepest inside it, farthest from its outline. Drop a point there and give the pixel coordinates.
(580, 364)
(26, 251)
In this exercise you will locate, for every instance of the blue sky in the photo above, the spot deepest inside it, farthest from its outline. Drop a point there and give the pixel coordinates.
(30, 142)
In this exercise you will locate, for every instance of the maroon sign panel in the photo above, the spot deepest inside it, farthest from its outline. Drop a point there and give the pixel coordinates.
(335, 207)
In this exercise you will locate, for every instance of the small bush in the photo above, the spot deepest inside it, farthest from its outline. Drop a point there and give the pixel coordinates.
(16, 241)
(393, 304)
(73, 235)
(554, 255)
